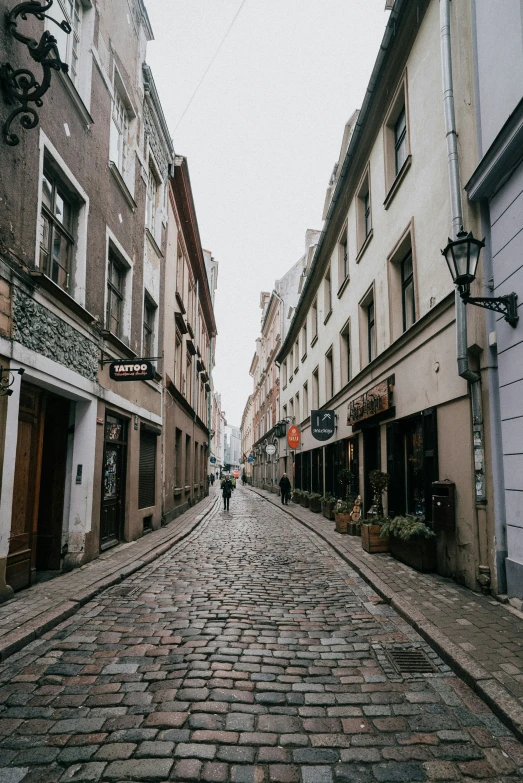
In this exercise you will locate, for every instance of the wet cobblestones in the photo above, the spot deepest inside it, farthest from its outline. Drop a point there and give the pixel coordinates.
(249, 653)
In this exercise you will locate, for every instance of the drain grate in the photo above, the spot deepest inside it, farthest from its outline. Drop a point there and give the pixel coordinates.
(411, 661)
(121, 591)
(267, 560)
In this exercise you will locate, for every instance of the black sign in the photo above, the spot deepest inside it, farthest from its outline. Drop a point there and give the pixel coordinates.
(136, 370)
(323, 424)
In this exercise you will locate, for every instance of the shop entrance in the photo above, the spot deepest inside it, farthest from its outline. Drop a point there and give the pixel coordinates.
(371, 460)
(113, 481)
(39, 486)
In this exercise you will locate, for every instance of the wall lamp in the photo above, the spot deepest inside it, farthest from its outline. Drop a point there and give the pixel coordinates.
(462, 256)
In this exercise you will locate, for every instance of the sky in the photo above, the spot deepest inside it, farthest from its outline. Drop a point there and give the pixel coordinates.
(261, 137)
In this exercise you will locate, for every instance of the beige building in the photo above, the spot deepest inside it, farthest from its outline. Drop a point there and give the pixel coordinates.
(247, 425)
(373, 337)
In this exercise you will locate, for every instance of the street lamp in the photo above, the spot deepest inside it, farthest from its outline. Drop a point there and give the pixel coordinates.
(462, 256)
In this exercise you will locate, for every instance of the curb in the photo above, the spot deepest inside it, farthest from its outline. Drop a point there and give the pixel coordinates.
(505, 706)
(16, 640)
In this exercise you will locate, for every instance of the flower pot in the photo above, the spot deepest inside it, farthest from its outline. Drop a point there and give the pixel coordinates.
(328, 509)
(371, 541)
(342, 521)
(304, 500)
(315, 505)
(417, 552)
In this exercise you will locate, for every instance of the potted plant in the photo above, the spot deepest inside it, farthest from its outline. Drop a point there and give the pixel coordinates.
(315, 502)
(371, 539)
(304, 499)
(342, 512)
(328, 502)
(296, 495)
(411, 541)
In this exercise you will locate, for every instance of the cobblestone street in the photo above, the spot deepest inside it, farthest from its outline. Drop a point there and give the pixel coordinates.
(248, 653)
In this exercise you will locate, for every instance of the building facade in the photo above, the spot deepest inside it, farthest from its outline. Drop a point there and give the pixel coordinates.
(247, 425)
(373, 338)
(497, 187)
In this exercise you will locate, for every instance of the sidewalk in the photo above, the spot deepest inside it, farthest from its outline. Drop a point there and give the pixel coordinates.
(41, 607)
(478, 637)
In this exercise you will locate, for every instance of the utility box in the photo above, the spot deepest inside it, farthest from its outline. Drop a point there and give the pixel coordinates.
(444, 505)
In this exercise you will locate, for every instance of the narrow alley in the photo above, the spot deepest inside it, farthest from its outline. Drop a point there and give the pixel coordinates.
(251, 653)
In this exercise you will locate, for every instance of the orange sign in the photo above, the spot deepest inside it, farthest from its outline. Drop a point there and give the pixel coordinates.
(293, 437)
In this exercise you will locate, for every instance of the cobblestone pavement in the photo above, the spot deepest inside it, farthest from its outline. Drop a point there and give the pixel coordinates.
(490, 633)
(248, 653)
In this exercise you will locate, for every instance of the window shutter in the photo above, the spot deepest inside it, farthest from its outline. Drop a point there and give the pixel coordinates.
(430, 456)
(147, 471)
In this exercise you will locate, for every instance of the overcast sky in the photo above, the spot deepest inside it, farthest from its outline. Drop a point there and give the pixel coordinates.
(261, 137)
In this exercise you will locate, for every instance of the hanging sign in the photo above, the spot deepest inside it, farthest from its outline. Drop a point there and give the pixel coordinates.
(376, 400)
(250, 459)
(270, 449)
(212, 459)
(323, 424)
(293, 437)
(137, 370)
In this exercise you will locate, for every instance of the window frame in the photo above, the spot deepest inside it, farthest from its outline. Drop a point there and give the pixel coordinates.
(327, 294)
(47, 215)
(396, 169)
(149, 332)
(403, 247)
(405, 283)
(314, 325)
(329, 374)
(368, 341)
(113, 260)
(364, 227)
(345, 354)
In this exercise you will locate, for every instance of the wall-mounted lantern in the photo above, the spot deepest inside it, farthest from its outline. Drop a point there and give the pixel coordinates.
(19, 85)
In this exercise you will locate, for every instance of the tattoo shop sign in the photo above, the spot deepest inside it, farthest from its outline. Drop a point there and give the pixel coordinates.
(376, 400)
(137, 370)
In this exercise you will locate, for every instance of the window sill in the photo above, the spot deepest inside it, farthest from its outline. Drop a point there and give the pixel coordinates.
(343, 286)
(304, 356)
(327, 316)
(314, 340)
(190, 330)
(290, 379)
(113, 168)
(364, 246)
(180, 303)
(76, 99)
(296, 370)
(177, 491)
(153, 242)
(118, 343)
(63, 297)
(283, 389)
(400, 176)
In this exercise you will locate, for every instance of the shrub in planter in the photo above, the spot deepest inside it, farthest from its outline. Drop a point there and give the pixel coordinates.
(371, 539)
(327, 506)
(315, 502)
(304, 500)
(342, 512)
(411, 541)
(296, 495)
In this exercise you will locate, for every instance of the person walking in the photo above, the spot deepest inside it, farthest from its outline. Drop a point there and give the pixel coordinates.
(212, 479)
(227, 488)
(244, 478)
(285, 489)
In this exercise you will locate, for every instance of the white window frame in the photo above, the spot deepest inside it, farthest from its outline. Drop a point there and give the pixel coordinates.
(126, 261)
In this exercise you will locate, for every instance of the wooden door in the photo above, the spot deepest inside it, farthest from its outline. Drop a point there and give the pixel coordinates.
(113, 481)
(21, 556)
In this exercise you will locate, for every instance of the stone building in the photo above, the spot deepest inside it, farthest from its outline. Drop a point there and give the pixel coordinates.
(497, 186)
(190, 330)
(373, 338)
(246, 427)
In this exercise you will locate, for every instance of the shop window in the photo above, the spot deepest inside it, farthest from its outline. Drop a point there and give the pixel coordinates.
(57, 240)
(115, 294)
(147, 470)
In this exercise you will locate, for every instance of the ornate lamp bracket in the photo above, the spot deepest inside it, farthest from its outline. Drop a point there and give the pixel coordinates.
(19, 86)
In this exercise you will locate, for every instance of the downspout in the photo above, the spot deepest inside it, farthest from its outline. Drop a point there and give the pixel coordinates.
(464, 370)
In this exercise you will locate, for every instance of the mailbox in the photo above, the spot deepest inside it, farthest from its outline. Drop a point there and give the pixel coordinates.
(444, 505)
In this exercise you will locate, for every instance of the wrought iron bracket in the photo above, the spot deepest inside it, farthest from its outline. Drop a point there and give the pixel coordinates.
(112, 360)
(506, 305)
(7, 378)
(19, 85)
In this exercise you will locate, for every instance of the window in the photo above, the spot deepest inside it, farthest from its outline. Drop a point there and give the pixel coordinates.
(343, 258)
(327, 294)
(363, 212)
(119, 132)
(314, 320)
(152, 201)
(68, 45)
(366, 203)
(315, 389)
(115, 293)
(296, 356)
(284, 373)
(345, 354)
(371, 331)
(149, 313)
(400, 141)
(179, 272)
(297, 407)
(147, 470)
(178, 368)
(407, 292)
(304, 341)
(187, 460)
(56, 238)
(291, 409)
(305, 400)
(329, 375)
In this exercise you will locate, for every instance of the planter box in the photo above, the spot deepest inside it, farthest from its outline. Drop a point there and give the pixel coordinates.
(304, 500)
(315, 505)
(418, 552)
(342, 522)
(328, 510)
(295, 498)
(371, 541)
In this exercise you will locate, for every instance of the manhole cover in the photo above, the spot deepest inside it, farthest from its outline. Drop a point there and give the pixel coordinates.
(277, 560)
(121, 590)
(411, 661)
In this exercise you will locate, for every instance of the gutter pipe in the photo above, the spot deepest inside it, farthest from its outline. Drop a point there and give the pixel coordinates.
(464, 370)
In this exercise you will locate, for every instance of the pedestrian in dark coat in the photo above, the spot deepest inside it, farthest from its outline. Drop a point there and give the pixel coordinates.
(227, 488)
(285, 489)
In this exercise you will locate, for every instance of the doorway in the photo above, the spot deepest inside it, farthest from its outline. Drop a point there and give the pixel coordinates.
(371, 461)
(113, 481)
(39, 486)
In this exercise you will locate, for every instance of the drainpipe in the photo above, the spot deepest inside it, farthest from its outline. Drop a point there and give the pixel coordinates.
(464, 370)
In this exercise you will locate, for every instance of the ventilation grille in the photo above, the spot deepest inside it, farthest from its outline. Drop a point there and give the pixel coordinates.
(410, 661)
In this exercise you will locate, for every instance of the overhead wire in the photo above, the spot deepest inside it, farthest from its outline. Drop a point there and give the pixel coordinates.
(236, 15)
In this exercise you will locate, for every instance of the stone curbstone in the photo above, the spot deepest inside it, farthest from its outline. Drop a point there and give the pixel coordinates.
(493, 693)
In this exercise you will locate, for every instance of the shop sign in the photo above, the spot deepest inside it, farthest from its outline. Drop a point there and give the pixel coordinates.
(137, 370)
(270, 450)
(376, 400)
(323, 424)
(293, 437)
